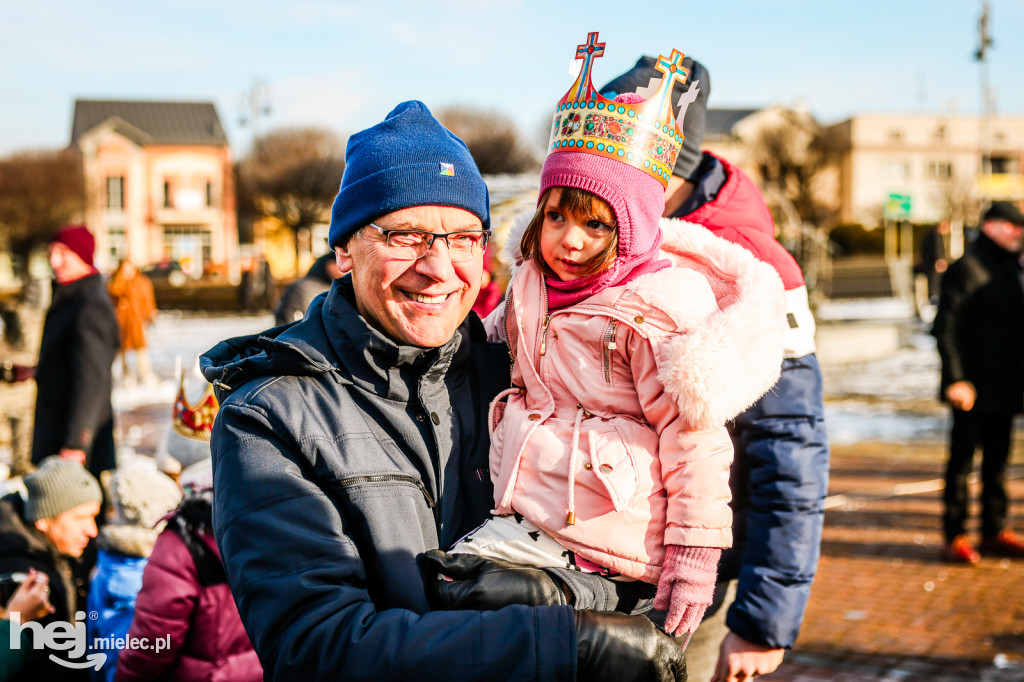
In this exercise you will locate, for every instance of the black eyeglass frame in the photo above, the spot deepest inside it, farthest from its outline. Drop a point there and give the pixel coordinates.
(430, 237)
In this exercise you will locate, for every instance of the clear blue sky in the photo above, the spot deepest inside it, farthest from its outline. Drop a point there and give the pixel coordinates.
(343, 65)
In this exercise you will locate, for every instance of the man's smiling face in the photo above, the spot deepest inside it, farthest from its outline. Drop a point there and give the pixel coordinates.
(415, 302)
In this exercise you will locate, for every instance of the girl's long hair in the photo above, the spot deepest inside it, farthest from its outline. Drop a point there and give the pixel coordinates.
(577, 202)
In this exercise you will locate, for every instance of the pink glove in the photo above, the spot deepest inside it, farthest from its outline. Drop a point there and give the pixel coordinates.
(687, 586)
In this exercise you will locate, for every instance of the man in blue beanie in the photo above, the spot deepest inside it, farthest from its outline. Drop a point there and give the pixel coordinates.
(355, 440)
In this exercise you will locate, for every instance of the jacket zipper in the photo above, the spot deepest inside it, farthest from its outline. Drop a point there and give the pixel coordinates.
(389, 478)
(543, 346)
(608, 346)
(504, 321)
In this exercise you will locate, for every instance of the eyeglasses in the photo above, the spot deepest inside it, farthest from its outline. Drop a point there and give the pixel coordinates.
(413, 244)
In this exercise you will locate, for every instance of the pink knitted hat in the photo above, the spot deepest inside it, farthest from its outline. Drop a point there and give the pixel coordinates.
(636, 198)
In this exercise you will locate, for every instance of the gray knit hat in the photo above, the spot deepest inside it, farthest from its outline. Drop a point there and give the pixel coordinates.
(58, 485)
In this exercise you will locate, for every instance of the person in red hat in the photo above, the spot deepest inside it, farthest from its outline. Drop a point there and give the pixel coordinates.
(73, 416)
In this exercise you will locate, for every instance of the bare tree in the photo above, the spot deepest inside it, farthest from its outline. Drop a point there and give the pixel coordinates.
(292, 175)
(40, 191)
(791, 157)
(492, 138)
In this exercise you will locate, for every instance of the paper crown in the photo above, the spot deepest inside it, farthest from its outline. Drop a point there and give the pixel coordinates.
(644, 135)
(195, 421)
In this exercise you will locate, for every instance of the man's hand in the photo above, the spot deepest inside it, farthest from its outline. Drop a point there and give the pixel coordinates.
(77, 455)
(614, 647)
(480, 584)
(32, 598)
(961, 395)
(740, 660)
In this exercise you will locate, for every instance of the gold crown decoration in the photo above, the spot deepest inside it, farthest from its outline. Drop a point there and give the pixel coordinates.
(644, 135)
(195, 421)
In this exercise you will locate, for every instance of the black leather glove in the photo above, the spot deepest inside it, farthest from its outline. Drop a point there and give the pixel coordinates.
(480, 584)
(619, 648)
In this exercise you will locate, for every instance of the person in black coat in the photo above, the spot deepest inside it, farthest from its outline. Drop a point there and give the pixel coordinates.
(300, 293)
(73, 416)
(979, 329)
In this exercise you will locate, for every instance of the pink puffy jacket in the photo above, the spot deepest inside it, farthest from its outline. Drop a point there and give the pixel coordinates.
(629, 391)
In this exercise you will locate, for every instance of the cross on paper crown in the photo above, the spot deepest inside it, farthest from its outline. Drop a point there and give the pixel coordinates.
(644, 135)
(195, 421)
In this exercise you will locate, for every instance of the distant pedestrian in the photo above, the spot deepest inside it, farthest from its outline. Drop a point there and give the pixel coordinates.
(140, 497)
(491, 292)
(257, 288)
(979, 328)
(135, 307)
(935, 254)
(73, 416)
(299, 294)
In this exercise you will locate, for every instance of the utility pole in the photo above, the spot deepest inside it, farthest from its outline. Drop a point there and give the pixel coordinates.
(255, 105)
(985, 112)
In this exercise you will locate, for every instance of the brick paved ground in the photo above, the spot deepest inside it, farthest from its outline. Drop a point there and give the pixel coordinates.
(883, 606)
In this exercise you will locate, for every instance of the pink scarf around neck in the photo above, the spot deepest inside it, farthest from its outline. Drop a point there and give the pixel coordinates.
(563, 294)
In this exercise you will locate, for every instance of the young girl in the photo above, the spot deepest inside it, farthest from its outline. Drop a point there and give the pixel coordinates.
(610, 454)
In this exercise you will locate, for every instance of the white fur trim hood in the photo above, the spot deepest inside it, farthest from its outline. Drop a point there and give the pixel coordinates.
(741, 344)
(722, 362)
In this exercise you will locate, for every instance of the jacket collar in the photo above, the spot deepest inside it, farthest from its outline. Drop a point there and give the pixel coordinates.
(18, 534)
(373, 360)
(79, 286)
(985, 244)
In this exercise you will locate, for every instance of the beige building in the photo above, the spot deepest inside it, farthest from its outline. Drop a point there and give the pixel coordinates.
(926, 167)
(158, 183)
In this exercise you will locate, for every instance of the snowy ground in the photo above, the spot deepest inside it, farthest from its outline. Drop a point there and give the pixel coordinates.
(179, 338)
(889, 400)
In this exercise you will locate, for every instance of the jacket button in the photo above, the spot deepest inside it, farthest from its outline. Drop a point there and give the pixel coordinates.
(638, 319)
(534, 417)
(588, 466)
(421, 417)
(606, 468)
(434, 418)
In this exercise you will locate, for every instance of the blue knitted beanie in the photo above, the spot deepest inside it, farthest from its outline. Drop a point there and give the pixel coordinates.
(408, 159)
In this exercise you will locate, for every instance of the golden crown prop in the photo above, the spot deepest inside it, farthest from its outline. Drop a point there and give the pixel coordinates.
(195, 421)
(644, 134)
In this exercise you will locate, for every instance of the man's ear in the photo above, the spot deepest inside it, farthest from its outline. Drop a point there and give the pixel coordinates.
(42, 525)
(343, 257)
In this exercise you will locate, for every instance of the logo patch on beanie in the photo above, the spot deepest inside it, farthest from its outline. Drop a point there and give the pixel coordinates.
(448, 169)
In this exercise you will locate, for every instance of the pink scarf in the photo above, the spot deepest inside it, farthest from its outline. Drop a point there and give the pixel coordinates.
(563, 294)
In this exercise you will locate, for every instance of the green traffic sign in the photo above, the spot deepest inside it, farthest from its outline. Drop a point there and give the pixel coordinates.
(897, 206)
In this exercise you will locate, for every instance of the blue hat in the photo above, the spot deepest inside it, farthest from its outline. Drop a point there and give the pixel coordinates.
(408, 159)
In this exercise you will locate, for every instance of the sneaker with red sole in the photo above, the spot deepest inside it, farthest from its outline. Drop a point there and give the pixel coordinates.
(1006, 544)
(959, 551)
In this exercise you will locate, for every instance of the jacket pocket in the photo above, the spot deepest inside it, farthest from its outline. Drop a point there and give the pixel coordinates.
(612, 462)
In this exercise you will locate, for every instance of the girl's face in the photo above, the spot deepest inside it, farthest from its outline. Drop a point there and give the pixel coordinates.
(568, 241)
